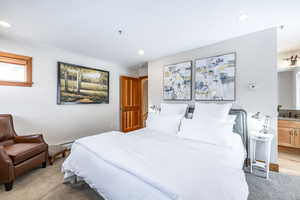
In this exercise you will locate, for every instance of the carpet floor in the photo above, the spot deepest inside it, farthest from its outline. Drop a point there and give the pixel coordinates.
(47, 184)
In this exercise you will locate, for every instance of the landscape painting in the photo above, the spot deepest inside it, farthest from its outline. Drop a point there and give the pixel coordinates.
(178, 81)
(82, 85)
(215, 78)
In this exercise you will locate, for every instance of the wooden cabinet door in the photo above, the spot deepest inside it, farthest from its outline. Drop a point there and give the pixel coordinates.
(297, 138)
(285, 136)
(130, 103)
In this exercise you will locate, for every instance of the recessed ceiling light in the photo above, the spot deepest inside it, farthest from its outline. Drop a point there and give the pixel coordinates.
(243, 17)
(141, 52)
(5, 24)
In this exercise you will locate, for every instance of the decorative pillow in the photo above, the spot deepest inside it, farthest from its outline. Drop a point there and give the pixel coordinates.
(173, 109)
(255, 124)
(168, 124)
(231, 119)
(212, 110)
(216, 133)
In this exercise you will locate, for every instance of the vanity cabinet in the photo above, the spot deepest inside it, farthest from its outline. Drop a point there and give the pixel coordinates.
(297, 139)
(289, 133)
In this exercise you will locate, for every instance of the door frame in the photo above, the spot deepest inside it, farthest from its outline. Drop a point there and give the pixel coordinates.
(141, 79)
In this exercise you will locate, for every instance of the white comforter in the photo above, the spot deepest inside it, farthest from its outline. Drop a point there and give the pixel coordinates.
(177, 168)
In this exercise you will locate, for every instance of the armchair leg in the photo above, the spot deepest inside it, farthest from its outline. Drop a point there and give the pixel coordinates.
(44, 164)
(8, 186)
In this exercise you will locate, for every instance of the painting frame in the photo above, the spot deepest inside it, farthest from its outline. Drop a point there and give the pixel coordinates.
(59, 96)
(234, 54)
(190, 79)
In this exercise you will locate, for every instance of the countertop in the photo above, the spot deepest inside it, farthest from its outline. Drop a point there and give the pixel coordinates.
(289, 119)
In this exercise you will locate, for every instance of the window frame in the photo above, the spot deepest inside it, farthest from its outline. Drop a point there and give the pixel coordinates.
(25, 61)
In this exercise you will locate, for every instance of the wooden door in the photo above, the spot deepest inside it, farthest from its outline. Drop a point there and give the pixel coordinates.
(297, 138)
(285, 136)
(130, 104)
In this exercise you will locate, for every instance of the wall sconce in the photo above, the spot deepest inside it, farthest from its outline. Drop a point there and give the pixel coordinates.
(154, 108)
(293, 60)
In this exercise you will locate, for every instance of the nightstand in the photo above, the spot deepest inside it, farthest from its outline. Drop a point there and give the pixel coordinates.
(266, 140)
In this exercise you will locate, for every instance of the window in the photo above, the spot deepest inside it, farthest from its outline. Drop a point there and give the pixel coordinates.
(15, 70)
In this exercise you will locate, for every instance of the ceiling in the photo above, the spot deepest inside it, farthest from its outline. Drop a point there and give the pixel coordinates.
(160, 28)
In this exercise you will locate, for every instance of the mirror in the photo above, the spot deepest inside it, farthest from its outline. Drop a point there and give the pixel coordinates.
(289, 93)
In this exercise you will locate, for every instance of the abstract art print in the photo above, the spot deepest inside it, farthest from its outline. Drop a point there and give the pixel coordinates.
(82, 85)
(178, 81)
(215, 78)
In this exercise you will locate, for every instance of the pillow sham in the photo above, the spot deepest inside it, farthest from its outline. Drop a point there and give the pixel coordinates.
(211, 110)
(173, 109)
(231, 119)
(216, 133)
(168, 124)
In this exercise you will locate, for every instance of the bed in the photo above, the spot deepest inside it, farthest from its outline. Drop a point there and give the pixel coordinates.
(148, 165)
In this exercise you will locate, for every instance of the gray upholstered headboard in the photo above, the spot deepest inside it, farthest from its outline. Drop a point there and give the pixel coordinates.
(240, 126)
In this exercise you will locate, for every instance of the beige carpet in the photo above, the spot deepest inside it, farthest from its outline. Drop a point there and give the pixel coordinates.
(47, 184)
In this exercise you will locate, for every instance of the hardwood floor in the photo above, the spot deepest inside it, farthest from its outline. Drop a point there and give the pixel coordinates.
(289, 162)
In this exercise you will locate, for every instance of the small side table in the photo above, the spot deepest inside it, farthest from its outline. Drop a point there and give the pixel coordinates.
(266, 140)
(55, 151)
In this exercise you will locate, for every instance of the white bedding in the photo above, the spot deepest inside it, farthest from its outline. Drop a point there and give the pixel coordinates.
(147, 165)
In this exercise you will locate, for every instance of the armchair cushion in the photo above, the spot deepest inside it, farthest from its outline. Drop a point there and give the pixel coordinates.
(20, 152)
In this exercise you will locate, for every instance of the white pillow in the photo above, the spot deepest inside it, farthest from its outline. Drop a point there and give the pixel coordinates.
(231, 119)
(255, 124)
(214, 133)
(168, 124)
(211, 110)
(173, 109)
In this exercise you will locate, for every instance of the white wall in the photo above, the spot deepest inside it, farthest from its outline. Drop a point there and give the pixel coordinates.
(256, 61)
(287, 89)
(139, 71)
(143, 71)
(34, 108)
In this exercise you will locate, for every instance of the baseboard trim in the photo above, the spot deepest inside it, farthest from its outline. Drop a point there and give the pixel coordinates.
(273, 166)
(67, 144)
